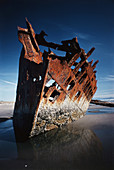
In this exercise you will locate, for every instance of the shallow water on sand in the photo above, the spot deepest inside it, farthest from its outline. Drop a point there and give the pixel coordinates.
(66, 147)
(8, 148)
(100, 110)
(71, 147)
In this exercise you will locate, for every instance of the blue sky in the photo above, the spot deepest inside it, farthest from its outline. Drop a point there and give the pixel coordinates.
(91, 21)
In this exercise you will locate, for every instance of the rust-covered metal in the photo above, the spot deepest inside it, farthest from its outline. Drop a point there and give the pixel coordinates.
(52, 90)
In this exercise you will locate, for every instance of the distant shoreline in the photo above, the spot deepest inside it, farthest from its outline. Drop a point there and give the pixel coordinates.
(103, 103)
(8, 102)
(96, 102)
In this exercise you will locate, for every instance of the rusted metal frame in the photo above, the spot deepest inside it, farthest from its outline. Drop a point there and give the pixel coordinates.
(79, 87)
(71, 62)
(48, 78)
(81, 74)
(87, 78)
(91, 62)
(69, 79)
(68, 82)
(73, 91)
(85, 84)
(90, 95)
(79, 65)
(91, 75)
(30, 51)
(73, 59)
(32, 35)
(76, 96)
(88, 89)
(61, 97)
(62, 86)
(94, 82)
(89, 70)
(64, 47)
(88, 55)
(94, 65)
(80, 95)
(95, 89)
(51, 89)
(73, 97)
(89, 92)
(85, 89)
(90, 52)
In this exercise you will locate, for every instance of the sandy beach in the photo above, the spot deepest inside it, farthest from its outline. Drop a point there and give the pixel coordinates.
(96, 131)
(6, 109)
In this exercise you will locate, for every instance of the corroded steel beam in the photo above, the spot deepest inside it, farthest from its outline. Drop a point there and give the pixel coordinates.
(52, 90)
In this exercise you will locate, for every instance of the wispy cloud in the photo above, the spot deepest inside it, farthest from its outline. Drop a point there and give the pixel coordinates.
(107, 90)
(83, 36)
(8, 82)
(98, 43)
(104, 96)
(107, 78)
(88, 37)
(105, 87)
(7, 74)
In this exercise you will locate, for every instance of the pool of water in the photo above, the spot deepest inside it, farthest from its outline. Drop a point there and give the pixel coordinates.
(102, 110)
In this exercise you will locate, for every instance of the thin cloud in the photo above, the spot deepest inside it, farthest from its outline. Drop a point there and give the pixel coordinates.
(98, 44)
(104, 96)
(7, 74)
(87, 37)
(108, 90)
(8, 82)
(108, 78)
(83, 36)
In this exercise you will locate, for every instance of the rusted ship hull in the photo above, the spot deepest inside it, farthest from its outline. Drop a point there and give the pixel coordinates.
(52, 90)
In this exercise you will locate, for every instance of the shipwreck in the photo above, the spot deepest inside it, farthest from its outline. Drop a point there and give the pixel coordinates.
(52, 90)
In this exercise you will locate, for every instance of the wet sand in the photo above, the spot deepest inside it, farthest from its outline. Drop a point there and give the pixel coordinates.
(99, 125)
